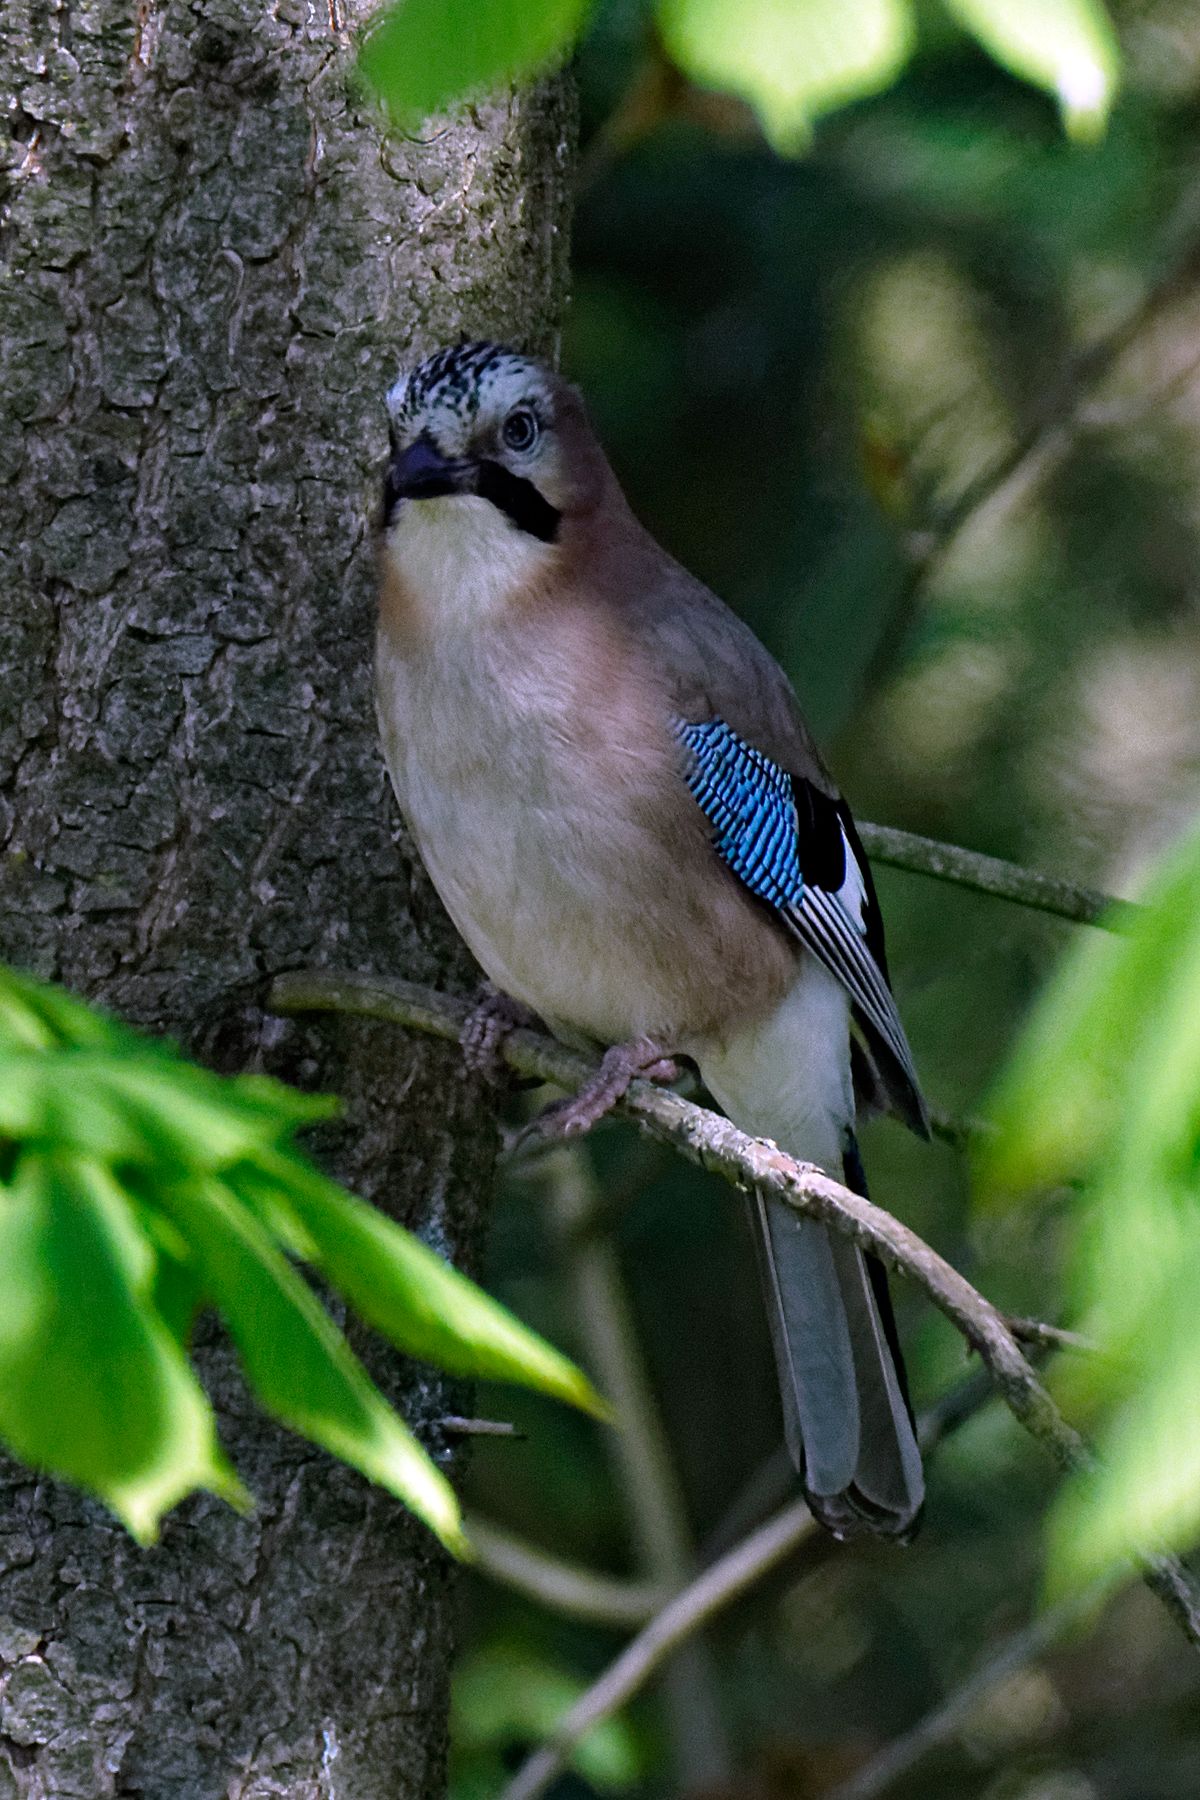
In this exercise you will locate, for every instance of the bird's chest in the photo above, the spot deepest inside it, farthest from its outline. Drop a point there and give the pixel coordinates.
(519, 788)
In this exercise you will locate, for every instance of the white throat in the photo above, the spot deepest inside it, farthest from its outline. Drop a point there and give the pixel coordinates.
(460, 559)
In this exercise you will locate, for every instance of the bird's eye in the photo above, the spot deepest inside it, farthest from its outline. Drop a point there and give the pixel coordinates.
(520, 429)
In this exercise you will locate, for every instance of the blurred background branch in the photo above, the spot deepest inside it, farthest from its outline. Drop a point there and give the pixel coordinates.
(657, 1516)
(991, 875)
(717, 1587)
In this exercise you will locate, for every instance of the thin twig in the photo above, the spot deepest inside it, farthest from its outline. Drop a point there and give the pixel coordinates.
(563, 1587)
(712, 1142)
(876, 1776)
(1039, 1335)
(456, 1426)
(722, 1581)
(991, 875)
(581, 1593)
(720, 1584)
(700, 1751)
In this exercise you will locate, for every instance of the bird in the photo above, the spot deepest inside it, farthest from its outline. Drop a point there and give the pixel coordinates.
(611, 785)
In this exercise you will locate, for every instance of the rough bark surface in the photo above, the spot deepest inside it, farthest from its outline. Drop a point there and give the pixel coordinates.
(211, 261)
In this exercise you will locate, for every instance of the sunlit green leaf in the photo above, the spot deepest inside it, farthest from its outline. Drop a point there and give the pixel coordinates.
(425, 54)
(1066, 46)
(412, 1295)
(145, 1109)
(1145, 1492)
(203, 1193)
(1055, 1103)
(296, 1360)
(93, 1387)
(36, 1016)
(792, 60)
(1105, 1089)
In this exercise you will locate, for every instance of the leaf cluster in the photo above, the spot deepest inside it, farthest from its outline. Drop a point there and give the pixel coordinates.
(137, 1189)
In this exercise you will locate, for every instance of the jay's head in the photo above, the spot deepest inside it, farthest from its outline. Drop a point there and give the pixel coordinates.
(492, 468)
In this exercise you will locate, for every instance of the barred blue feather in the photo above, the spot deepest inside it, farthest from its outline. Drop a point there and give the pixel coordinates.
(748, 801)
(820, 889)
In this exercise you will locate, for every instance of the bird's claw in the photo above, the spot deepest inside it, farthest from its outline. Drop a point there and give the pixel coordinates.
(488, 1023)
(579, 1113)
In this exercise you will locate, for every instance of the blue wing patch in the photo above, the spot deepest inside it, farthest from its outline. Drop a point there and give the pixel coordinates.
(747, 799)
(807, 870)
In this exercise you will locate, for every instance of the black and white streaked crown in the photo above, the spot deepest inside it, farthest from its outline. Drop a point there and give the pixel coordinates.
(461, 379)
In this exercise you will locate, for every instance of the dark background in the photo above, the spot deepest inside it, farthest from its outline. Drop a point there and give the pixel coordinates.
(923, 406)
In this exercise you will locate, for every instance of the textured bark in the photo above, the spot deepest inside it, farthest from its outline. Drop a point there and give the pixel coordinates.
(211, 261)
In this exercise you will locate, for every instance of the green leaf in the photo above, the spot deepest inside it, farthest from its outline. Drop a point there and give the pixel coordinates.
(425, 54)
(145, 1109)
(36, 1016)
(1145, 1491)
(297, 1361)
(1054, 1106)
(1068, 47)
(408, 1292)
(792, 60)
(1105, 1089)
(93, 1387)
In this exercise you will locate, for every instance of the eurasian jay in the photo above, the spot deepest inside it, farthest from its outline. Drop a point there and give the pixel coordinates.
(613, 790)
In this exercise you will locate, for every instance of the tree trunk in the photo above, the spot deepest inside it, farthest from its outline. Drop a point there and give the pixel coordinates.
(213, 261)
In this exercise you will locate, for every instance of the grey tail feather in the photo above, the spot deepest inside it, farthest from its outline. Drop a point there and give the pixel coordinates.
(847, 1418)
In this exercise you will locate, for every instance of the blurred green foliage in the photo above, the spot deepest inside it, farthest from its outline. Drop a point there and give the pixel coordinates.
(135, 1189)
(425, 54)
(1104, 1090)
(507, 1694)
(791, 60)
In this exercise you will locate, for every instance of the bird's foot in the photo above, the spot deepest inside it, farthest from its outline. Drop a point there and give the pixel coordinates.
(622, 1064)
(489, 1022)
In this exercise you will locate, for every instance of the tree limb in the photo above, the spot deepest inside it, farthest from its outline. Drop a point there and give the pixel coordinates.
(991, 875)
(719, 1584)
(731, 1575)
(715, 1144)
(563, 1587)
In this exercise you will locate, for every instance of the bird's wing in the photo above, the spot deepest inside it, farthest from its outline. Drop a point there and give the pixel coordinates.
(774, 812)
(793, 845)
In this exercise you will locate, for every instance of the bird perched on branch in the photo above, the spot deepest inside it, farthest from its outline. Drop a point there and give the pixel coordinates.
(611, 785)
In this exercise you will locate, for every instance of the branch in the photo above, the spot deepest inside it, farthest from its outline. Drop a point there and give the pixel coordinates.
(762, 1551)
(564, 1587)
(719, 1584)
(991, 875)
(581, 1593)
(647, 1478)
(712, 1142)
(715, 1144)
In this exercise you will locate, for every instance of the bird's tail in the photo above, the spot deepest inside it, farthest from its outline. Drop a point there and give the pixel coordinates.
(846, 1414)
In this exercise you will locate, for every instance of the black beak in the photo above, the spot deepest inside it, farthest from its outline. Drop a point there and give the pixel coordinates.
(422, 473)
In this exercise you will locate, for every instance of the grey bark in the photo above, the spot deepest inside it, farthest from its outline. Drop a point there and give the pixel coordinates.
(211, 260)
